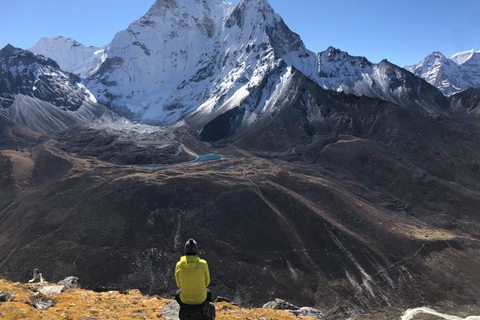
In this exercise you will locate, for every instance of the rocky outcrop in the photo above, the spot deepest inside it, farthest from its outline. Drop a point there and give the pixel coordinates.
(174, 311)
(51, 290)
(6, 296)
(43, 297)
(41, 301)
(279, 304)
(70, 283)
(467, 103)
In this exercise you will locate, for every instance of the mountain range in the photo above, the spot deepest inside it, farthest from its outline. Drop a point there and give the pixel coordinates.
(343, 184)
(193, 62)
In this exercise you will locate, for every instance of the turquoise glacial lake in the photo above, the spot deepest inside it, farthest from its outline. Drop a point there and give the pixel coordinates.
(208, 157)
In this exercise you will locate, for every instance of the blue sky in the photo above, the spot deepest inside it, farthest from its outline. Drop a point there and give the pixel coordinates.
(404, 32)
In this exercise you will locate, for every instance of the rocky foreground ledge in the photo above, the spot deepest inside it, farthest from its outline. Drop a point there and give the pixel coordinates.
(67, 301)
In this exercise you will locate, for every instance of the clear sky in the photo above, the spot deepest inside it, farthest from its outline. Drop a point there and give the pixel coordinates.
(404, 32)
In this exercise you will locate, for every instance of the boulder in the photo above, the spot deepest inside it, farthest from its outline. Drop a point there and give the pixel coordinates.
(204, 311)
(6, 296)
(51, 290)
(280, 304)
(309, 312)
(41, 301)
(70, 283)
(171, 310)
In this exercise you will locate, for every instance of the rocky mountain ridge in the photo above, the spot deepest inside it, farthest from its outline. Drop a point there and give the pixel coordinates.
(37, 94)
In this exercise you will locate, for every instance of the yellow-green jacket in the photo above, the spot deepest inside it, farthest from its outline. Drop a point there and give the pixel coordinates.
(192, 278)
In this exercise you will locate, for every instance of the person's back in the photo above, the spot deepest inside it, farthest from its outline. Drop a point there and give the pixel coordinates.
(192, 277)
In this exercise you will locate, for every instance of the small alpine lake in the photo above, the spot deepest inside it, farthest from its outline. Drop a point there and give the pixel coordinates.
(205, 158)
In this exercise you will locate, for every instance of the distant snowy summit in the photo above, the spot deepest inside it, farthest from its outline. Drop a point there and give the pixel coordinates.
(450, 75)
(35, 93)
(70, 55)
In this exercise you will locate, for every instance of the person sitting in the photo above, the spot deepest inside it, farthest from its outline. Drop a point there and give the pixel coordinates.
(192, 277)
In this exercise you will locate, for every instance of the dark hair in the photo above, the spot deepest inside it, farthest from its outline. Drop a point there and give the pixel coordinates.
(191, 248)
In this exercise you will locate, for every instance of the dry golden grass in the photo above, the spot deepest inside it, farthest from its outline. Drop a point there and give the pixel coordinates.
(79, 304)
(422, 231)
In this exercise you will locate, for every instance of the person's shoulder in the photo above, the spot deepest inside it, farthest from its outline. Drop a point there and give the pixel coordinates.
(182, 259)
(202, 261)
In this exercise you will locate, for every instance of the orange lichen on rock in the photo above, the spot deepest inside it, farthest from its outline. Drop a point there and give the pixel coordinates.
(79, 304)
(226, 311)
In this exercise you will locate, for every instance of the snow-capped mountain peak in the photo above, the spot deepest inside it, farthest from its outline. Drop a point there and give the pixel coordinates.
(37, 94)
(450, 75)
(70, 55)
(189, 54)
(462, 57)
(206, 57)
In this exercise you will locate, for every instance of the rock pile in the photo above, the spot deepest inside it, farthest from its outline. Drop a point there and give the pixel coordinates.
(6, 296)
(41, 301)
(43, 296)
(280, 304)
(70, 283)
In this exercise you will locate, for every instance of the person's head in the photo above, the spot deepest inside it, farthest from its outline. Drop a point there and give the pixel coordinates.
(191, 248)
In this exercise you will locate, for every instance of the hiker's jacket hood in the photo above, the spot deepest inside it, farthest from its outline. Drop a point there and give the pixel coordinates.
(192, 278)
